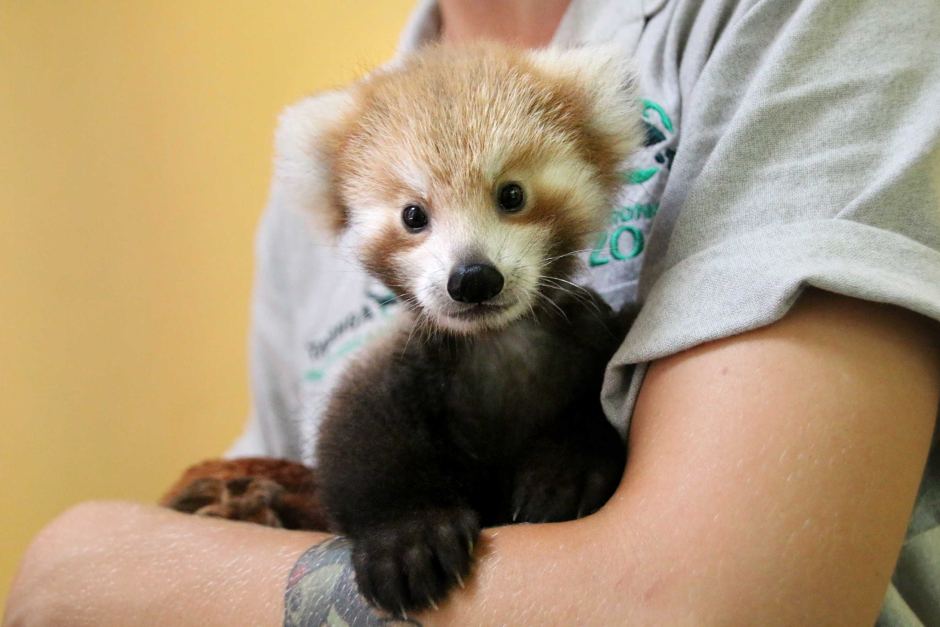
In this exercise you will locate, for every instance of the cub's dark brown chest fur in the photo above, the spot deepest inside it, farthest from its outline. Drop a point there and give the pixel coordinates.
(428, 439)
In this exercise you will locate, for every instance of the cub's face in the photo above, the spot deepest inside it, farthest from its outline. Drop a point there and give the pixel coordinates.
(470, 180)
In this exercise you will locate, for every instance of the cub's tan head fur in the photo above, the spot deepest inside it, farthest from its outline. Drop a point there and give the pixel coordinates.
(469, 177)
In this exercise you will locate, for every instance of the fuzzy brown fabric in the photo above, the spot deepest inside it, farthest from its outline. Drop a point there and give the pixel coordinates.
(272, 492)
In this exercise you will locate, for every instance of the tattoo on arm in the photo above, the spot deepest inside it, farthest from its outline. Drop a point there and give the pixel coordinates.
(321, 590)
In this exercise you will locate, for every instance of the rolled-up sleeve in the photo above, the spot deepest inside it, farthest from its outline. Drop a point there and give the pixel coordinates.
(809, 157)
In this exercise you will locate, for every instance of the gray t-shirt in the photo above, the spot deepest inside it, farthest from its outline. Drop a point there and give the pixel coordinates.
(789, 144)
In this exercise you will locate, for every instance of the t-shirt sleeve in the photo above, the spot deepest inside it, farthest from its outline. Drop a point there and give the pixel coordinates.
(808, 156)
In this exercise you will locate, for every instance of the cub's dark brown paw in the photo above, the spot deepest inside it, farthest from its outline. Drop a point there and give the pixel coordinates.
(411, 563)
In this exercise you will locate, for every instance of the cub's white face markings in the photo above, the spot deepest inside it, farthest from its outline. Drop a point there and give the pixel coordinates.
(576, 178)
(516, 250)
(411, 175)
(370, 221)
(475, 229)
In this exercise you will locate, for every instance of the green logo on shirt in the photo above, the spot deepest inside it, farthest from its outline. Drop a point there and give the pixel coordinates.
(623, 241)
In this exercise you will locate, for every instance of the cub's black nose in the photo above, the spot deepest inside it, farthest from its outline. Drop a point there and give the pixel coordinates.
(474, 283)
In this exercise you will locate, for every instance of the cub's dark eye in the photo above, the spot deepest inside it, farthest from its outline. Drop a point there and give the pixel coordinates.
(510, 197)
(414, 217)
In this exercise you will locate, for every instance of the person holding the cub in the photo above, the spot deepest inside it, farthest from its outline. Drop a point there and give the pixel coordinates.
(778, 391)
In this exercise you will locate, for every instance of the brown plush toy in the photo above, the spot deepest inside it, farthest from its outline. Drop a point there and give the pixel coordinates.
(272, 492)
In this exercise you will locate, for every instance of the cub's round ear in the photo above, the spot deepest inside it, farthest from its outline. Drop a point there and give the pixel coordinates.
(605, 75)
(307, 139)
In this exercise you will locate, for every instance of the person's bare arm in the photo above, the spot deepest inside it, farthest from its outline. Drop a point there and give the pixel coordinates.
(112, 563)
(770, 481)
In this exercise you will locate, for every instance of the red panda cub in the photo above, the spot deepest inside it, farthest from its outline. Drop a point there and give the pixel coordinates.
(471, 180)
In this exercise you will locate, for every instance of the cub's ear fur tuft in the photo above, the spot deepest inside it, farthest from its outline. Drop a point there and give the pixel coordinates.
(308, 136)
(606, 77)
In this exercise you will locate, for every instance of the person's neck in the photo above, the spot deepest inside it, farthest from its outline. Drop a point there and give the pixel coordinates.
(523, 23)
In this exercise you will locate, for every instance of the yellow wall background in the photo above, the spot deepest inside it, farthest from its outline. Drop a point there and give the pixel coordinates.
(135, 148)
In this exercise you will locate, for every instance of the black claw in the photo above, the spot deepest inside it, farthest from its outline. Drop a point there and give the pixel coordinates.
(388, 579)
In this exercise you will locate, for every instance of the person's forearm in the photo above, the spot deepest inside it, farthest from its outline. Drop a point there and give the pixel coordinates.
(770, 479)
(115, 563)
